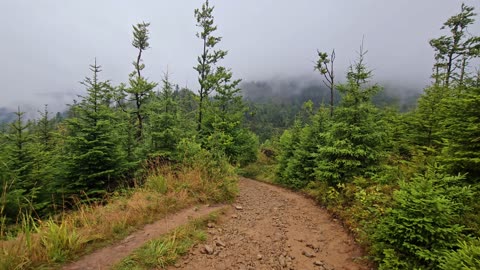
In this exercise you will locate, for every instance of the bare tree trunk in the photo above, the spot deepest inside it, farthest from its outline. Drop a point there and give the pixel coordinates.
(137, 99)
(462, 72)
(332, 82)
(203, 91)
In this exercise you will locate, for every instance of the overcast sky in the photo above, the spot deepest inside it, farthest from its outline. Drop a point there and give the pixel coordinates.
(47, 45)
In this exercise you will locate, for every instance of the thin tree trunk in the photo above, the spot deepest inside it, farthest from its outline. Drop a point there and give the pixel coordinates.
(137, 100)
(139, 117)
(199, 128)
(449, 69)
(202, 93)
(462, 72)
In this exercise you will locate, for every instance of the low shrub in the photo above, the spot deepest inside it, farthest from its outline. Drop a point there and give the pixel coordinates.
(423, 222)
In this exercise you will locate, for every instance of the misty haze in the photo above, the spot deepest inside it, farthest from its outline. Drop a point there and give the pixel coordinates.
(247, 134)
(48, 45)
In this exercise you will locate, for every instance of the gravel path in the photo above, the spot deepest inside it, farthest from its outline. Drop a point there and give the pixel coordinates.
(272, 228)
(266, 228)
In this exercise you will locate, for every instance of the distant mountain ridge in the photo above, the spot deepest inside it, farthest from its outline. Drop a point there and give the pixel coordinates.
(296, 92)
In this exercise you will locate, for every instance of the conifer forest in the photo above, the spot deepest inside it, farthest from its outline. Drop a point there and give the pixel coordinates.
(402, 177)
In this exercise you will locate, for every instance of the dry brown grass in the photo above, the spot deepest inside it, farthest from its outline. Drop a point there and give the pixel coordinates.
(51, 242)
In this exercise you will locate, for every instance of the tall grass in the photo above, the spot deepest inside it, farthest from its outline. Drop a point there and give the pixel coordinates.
(60, 240)
(69, 235)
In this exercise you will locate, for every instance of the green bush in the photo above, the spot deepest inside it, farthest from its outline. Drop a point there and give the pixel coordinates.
(423, 222)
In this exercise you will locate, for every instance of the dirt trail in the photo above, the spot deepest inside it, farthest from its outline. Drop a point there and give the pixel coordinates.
(107, 257)
(266, 228)
(274, 229)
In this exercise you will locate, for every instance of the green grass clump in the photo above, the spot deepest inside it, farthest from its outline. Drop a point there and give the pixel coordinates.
(60, 240)
(160, 253)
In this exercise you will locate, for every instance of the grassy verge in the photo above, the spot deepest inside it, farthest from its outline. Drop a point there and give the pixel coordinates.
(159, 253)
(49, 243)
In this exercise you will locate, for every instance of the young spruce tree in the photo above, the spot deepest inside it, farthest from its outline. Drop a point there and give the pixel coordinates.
(353, 143)
(220, 119)
(95, 161)
(20, 152)
(19, 185)
(140, 89)
(163, 127)
(208, 74)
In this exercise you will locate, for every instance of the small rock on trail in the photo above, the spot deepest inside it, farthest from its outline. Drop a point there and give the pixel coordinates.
(272, 228)
(208, 250)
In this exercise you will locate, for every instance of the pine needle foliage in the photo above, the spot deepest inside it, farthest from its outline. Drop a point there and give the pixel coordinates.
(95, 160)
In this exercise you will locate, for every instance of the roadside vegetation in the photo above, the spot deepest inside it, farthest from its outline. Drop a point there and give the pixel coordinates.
(165, 251)
(404, 180)
(120, 157)
(404, 183)
(68, 235)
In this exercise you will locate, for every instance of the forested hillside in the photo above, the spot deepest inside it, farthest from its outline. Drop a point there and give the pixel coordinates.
(401, 170)
(154, 136)
(405, 183)
(112, 131)
(273, 105)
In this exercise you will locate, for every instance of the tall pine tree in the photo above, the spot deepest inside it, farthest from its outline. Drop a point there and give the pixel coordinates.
(140, 90)
(208, 75)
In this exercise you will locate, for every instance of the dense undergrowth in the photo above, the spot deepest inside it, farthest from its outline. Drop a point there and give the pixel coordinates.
(264, 168)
